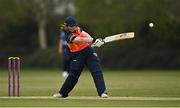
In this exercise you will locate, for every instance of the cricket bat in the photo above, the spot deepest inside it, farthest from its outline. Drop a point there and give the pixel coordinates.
(117, 37)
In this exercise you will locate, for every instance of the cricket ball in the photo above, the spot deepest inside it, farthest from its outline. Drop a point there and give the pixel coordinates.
(151, 25)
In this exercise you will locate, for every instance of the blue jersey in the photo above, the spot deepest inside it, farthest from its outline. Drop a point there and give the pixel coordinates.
(62, 37)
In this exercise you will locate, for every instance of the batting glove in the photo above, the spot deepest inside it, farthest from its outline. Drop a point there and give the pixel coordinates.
(97, 43)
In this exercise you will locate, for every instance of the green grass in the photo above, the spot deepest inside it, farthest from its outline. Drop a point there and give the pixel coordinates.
(87, 103)
(119, 84)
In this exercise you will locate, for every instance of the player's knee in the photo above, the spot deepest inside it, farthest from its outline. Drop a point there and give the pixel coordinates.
(94, 66)
(96, 73)
(75, 73)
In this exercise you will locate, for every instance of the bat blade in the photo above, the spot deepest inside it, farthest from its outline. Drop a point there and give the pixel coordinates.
(117, 37)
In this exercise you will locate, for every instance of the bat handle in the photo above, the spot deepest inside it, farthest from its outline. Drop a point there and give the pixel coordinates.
(104, 40)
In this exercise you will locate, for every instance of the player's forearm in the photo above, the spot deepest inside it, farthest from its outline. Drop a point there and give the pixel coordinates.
(60, 46)
(83, 39)
(87, 38)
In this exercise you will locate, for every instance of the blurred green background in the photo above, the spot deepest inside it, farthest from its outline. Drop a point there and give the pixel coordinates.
(30, 29)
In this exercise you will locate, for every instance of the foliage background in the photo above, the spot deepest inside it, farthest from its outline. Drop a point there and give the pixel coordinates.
(153, 48)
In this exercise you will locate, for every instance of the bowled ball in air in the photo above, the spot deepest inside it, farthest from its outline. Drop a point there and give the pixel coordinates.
(151, 25)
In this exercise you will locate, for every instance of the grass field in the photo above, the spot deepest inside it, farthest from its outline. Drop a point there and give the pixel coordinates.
(125, 88)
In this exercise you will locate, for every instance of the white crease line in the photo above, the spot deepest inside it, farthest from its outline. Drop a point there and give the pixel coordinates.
(97, 98)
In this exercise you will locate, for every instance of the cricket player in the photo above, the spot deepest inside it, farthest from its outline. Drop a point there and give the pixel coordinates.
(81, 54)
(64, 50)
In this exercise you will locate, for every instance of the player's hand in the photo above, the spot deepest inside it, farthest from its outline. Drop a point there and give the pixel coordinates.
(98, 42)
(63, 27)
